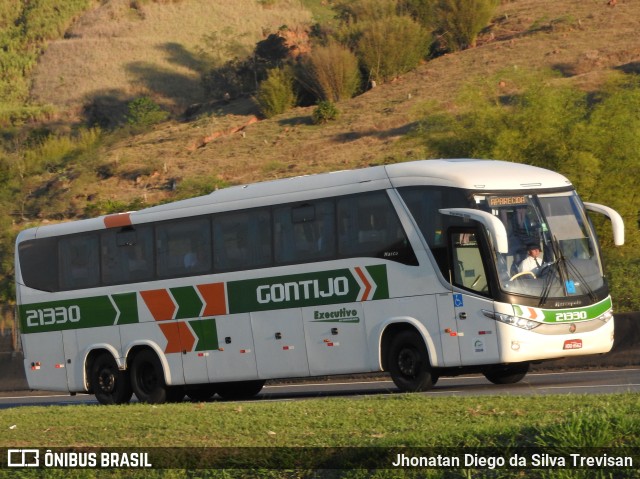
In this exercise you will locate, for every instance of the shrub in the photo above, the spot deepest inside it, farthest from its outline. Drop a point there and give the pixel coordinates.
(325, 111)
(143, 113)
(230, 80)
(329, 72)
(460, 21)
(276, 94)
(390, 47)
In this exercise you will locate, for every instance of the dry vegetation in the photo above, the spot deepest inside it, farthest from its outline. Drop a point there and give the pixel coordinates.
(116, 51)
(586, 41)
(122, 49)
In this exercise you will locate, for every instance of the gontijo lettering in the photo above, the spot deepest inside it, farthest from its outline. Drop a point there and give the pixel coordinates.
(307, 289)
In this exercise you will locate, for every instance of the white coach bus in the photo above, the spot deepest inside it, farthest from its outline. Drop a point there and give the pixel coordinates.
(418, 269)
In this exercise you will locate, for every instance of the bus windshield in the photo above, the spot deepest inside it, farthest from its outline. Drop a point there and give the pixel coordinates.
(552, 251)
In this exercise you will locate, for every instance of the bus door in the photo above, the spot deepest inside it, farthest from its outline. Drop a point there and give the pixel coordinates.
(196, 337)
(336, 339)
(45, 360)
(280, 344)
(475, 332)
(234, 358)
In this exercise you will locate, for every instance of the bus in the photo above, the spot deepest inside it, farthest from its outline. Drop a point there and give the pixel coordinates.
(413, 268)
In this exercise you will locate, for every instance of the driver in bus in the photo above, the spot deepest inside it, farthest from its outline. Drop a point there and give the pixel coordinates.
(532, 262)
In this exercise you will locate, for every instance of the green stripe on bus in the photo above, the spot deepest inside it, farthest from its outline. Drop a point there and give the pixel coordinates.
(207, 334)
(127, 303)
(301, 290)
(379, 275)
(68, 314)
(189, 303)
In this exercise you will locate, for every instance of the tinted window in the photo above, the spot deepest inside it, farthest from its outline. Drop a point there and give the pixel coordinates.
(127, 255)
(242, 240)
(424, 203)
(369, 226)
(304, 232)
(468, 267)
(79, 259)
(39, 263)
(183, 248)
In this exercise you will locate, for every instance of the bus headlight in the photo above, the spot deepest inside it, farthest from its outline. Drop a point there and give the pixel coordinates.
(606, 316)
(523, 323)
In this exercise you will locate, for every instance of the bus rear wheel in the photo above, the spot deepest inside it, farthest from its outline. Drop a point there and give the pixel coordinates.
(507, 373)
(109, 384)
(147, 378)
(408, 363)
(240, 389)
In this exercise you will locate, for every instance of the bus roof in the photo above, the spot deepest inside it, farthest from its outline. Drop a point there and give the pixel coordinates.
(470, 174)
(489, 175)
(462, 173)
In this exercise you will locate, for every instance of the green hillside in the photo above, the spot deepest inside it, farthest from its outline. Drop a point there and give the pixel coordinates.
(549, 83)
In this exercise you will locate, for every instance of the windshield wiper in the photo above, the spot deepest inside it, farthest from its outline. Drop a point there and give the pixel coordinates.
(573, 269)
(565, 267)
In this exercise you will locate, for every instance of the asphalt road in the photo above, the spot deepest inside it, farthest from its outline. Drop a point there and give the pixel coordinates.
(539, 383)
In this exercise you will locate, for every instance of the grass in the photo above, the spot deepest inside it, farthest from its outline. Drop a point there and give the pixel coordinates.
(559, 424)
(120, 52)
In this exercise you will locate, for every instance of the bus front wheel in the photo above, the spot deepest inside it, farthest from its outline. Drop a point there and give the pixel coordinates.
(507, 373)
(109, 384)
(408, 363)
(147, 378)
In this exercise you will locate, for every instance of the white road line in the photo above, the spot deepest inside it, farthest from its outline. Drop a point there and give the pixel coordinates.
(353, 383)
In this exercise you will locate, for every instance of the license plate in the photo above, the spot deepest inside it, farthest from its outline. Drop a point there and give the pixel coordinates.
(573, 344)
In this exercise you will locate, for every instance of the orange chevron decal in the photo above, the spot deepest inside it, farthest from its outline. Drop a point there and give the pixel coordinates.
(179, 337)
(160, 304)
(533, 313)
(367, 285)
(214, 298)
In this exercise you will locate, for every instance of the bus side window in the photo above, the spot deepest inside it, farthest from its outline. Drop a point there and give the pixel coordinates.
(368, 226)
(39, 263)
(183, 248)
(423, 203)
(304, 232)
(79, 261)
(242, 240)
(127, 255)
(467, 267)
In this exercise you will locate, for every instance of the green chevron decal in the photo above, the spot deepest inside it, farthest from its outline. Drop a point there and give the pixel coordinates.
(206, 334)
(189, 303)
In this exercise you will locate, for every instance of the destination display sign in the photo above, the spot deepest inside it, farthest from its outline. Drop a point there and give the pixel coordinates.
(500, 201)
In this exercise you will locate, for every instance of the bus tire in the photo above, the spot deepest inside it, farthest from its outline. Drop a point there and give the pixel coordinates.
(408, 363)
(240, 389)
(147, 378)
(507, 373)
(109, 384)
(201, 392)
(175, 394)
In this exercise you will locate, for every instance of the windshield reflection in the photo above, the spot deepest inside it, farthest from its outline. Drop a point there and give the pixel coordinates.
(551, 247)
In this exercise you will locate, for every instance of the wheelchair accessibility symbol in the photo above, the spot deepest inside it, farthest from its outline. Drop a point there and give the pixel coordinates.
(458, 302)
